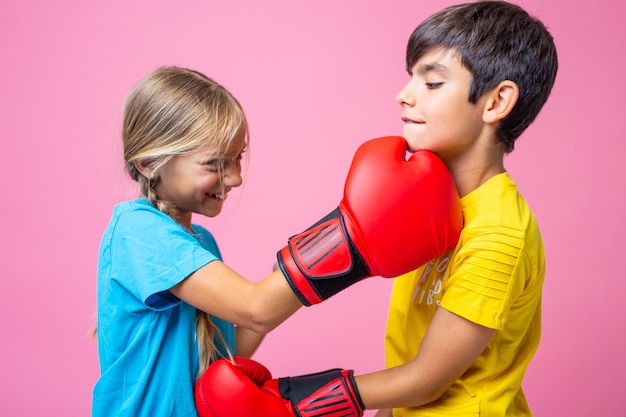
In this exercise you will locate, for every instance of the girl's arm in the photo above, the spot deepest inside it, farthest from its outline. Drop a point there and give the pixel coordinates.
(247, 341)
(451, 344)
(259, 306)
(338, 246)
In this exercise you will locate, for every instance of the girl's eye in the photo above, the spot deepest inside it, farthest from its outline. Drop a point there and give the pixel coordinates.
(237, 160)
(212, 165)
(219, 164)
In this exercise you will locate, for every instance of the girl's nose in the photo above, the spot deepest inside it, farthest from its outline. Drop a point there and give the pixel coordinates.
(232, 175)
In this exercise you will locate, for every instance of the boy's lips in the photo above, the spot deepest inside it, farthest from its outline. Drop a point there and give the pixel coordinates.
(407, 120)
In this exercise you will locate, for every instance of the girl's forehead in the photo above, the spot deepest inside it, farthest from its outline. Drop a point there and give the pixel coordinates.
(212, 149)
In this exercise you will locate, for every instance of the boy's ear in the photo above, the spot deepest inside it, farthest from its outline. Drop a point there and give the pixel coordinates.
(500, 101)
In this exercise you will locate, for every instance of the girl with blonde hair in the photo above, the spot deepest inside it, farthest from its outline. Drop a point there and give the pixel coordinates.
(184, 136)
(167, 304)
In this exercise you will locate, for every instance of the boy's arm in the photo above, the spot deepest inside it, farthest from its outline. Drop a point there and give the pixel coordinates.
(451, 344)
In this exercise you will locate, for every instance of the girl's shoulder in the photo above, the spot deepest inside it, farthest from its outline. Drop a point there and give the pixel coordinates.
(138, 204)
(136, 209)
(138, 217)
(206, 238)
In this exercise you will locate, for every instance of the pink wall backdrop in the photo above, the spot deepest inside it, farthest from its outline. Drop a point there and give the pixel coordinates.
(316, 79)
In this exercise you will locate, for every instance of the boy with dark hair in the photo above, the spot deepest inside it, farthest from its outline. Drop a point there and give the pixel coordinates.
(462, 328)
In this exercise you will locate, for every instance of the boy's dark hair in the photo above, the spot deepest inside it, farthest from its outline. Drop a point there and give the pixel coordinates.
(496, 41)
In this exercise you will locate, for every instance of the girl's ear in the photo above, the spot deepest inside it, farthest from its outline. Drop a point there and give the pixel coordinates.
(500, 101)
(143, 166)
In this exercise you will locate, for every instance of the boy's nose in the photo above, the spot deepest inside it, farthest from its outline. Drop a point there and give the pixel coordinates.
(403, 96)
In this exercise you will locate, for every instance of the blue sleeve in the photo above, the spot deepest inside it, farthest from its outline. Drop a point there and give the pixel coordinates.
(153, 253)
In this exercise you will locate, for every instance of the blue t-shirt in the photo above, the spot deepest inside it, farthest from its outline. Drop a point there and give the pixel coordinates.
(146, 336)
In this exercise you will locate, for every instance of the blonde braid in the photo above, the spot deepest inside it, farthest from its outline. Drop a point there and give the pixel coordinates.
(207, 349)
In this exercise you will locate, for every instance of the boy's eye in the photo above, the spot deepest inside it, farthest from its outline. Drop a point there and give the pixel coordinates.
(433, 86)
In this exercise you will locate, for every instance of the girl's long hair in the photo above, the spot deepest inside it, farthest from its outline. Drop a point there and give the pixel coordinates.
(173, 112)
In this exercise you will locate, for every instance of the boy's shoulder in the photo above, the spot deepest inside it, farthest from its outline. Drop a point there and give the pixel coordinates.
(496, 211)
(493, 188)
(497, 202)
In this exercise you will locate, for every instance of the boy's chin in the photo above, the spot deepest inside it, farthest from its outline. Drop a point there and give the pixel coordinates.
(413, 147)
(413, 144)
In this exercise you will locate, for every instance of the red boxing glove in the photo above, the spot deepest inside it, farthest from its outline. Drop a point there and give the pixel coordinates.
(227, 390)
(245, 389)
(395, 216)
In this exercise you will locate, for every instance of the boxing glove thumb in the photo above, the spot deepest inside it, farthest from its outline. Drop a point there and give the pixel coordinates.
(229, 389)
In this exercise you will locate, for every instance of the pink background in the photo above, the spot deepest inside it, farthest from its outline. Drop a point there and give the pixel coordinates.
(316, 79)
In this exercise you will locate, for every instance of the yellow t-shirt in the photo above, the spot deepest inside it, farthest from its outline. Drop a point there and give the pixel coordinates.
(494, 278)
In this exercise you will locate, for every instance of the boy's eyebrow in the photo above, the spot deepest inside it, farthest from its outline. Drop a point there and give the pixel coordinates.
(431, 67)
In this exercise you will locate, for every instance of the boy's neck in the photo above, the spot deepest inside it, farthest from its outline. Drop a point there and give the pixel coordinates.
(471, 170)
(471, 180)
